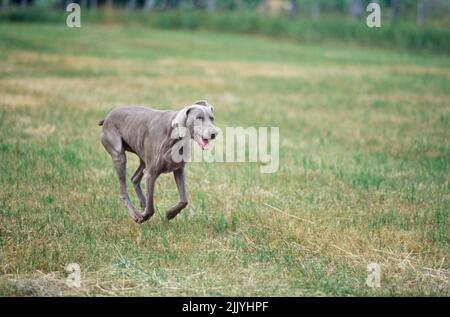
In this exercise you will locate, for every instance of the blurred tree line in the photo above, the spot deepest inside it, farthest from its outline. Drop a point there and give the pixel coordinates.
(406, 24)
(292, 8)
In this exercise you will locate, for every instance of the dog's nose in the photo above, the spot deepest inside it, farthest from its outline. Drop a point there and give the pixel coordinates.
(213, 135)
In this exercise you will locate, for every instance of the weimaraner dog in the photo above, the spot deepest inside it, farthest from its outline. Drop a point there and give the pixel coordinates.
(155, 136)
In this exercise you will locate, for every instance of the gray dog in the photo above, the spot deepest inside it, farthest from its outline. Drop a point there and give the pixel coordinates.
(154, 136)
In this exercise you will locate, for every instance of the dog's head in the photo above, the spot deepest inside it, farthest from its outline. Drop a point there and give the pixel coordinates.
(197, 120)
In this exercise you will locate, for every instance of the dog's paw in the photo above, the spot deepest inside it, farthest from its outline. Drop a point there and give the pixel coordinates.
(137, 218)
(140, 218)
(170, 215)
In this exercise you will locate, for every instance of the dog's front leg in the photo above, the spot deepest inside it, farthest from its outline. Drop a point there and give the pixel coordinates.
(179, 180)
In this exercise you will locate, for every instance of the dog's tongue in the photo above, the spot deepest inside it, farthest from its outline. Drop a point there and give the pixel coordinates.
(204, 144)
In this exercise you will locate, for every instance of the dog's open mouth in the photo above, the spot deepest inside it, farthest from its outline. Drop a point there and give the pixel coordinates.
(204, 143)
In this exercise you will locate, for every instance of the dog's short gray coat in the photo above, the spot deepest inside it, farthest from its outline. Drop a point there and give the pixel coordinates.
(149, 133)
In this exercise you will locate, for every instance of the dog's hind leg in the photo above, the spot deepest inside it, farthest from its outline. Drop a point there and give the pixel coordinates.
(112, 142)
(136, 180)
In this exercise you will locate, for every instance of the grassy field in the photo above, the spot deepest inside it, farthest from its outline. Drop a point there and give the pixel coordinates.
(364, 161)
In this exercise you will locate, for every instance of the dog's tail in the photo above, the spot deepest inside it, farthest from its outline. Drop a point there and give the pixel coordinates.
(100, 123)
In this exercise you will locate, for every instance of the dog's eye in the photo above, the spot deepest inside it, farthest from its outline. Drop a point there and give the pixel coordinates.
(212, 118)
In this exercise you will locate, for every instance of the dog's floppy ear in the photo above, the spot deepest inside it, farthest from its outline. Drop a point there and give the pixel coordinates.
(204, 103)
(179, 122)
(201, 103)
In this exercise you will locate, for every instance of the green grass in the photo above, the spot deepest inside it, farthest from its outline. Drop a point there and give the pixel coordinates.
(364, 157)
(338, 28)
